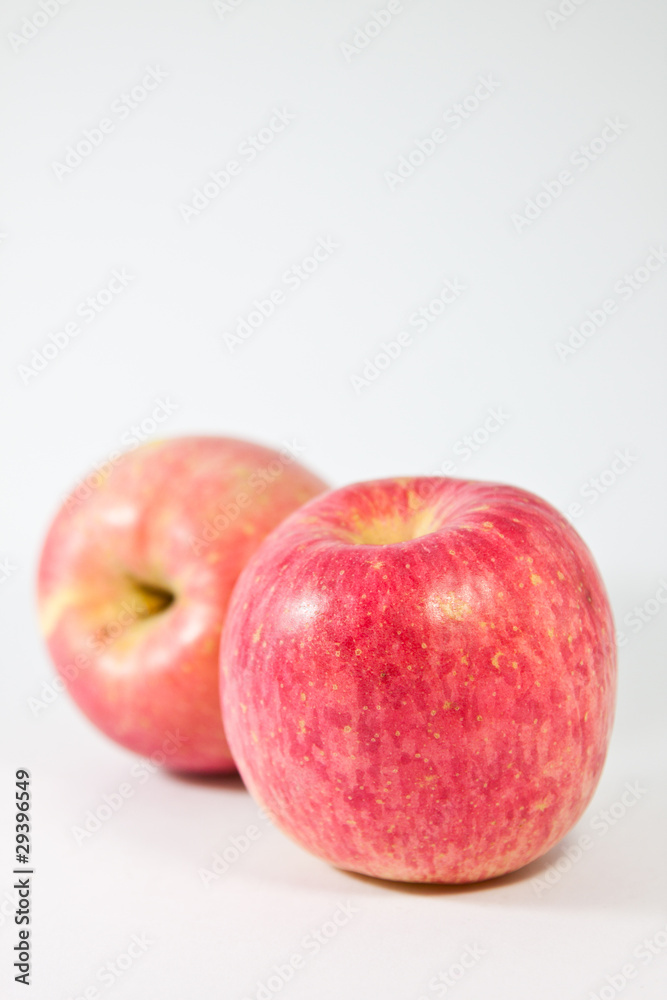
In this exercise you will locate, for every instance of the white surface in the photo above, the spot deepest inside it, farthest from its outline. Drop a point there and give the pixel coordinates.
(324, 176)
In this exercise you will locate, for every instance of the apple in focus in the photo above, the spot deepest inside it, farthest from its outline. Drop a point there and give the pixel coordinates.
(418, 678)
(134, 581)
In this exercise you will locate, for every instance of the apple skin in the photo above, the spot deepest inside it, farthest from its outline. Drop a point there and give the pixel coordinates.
(418, 678)
(168, 519)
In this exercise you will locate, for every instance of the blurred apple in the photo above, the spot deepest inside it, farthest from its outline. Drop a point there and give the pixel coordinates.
(135, 578)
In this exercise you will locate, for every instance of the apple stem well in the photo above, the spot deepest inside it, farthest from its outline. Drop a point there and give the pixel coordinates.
(154, 599)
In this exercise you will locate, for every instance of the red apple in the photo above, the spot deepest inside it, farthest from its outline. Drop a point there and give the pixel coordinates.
(135, 578)
(418, 678)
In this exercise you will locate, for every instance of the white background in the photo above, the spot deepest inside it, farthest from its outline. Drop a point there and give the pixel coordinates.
(324, 176)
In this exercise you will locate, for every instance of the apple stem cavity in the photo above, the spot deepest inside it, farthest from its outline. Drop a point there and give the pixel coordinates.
(153, 599)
